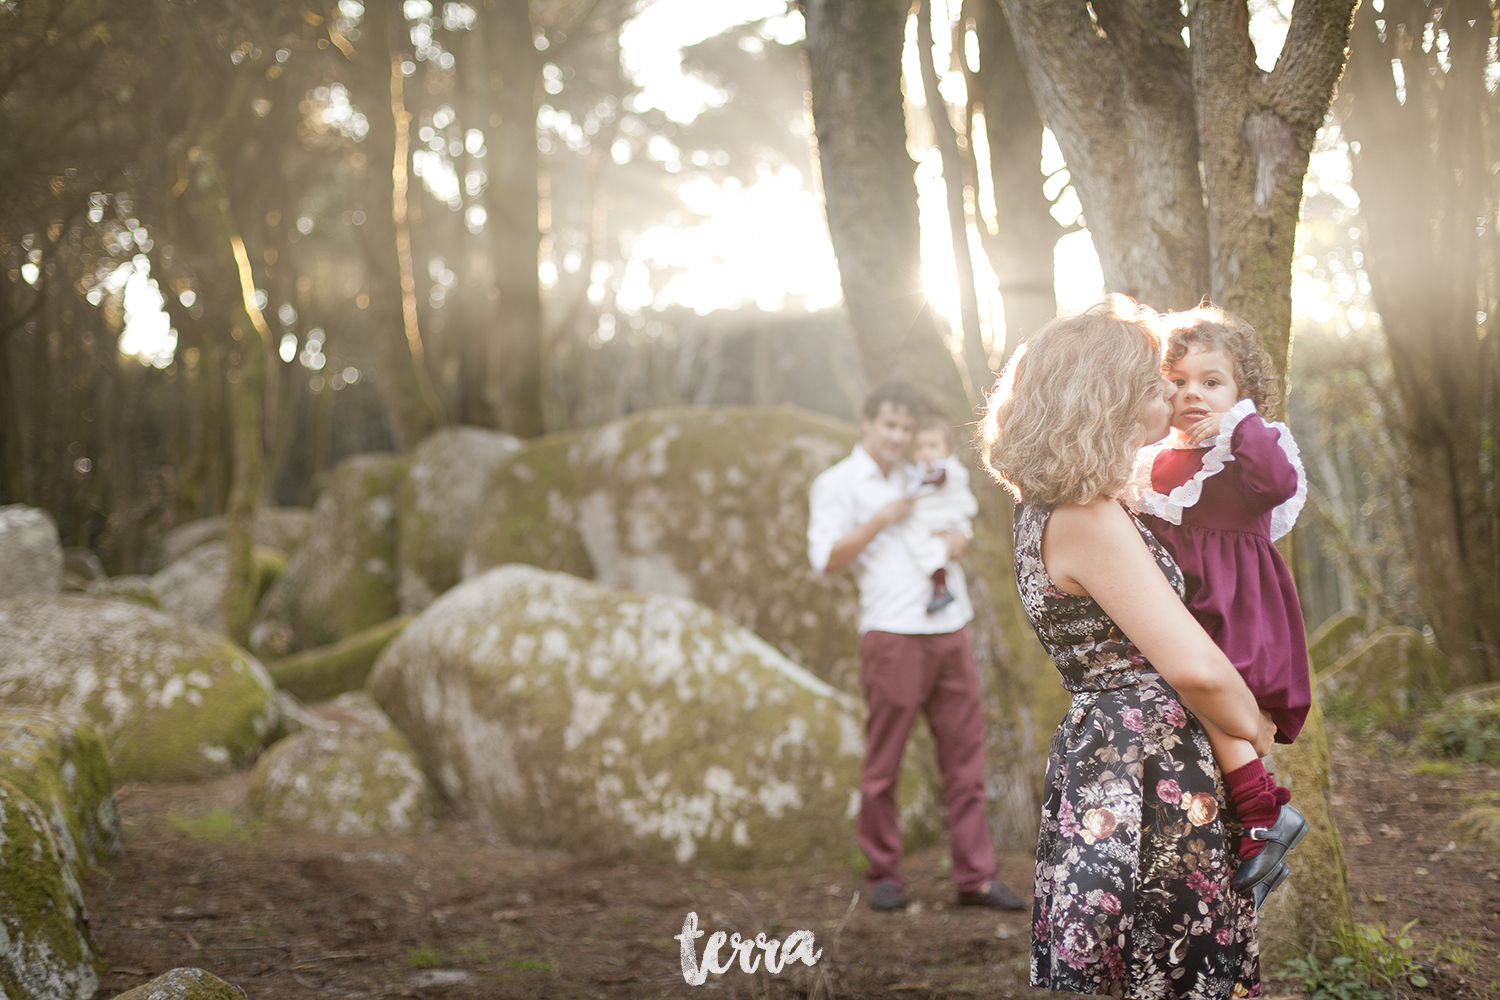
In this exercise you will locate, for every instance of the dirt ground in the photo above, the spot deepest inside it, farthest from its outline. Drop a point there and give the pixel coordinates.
(457, 914)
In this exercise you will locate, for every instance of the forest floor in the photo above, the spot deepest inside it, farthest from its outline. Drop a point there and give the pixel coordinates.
(457, 914)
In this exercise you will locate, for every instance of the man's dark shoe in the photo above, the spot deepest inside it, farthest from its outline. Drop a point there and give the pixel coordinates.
(996, 897)
(887, 896)
(1287, 832)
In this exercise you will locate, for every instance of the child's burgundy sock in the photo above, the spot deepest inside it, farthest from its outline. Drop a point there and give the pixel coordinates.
(1257, 800)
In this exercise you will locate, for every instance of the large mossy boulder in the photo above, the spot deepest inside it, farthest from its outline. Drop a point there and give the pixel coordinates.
(705, 504)
(281, 528)
(184, 984)
(45, 949)
(439, 500)
(135, 587)
(172, 701)
(359, 776)
(1390, 675)
(343, 578)
(192, 588)
(1338, 636)
(31, 557)
(577, 716)
(62, 766)
(329, 671)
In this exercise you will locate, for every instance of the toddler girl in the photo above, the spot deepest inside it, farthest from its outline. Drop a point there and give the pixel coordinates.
(943, 503)
(1222, 487)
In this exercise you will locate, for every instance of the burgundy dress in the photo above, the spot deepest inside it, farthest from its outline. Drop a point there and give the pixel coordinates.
(1218, 509)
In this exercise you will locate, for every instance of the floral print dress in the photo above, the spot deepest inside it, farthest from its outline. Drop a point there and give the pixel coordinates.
(1132, 873)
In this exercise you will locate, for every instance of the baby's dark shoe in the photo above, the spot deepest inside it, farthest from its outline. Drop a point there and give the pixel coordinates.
(1266, 886)
(1283, 835)
(941, 598)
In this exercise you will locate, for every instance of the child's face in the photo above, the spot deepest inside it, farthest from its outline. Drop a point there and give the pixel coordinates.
(931, 445)
(1205, 384)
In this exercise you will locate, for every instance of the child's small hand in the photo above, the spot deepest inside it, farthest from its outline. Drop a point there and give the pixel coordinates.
(1204, 430)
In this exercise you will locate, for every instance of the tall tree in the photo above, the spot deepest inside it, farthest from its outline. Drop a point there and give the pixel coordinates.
(869, 192)
(1189, 161)
(1421, 120)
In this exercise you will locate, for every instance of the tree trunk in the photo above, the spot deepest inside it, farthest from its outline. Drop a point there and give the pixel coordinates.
(1020, 251)
(512, 205)
(404, 384)
(1118, 95)
(1422, 170)
(870, 195)
(975, 359)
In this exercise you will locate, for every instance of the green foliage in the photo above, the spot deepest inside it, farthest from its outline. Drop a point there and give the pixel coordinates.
(1340, 979)
(1435, 768)
(1373, 961)
(423, 957)
(1383, 957)
(1467, 728)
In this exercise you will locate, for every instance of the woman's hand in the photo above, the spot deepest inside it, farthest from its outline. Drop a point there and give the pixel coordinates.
(1267, 736)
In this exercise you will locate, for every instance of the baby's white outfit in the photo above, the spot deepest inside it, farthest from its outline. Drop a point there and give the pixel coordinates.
(949, 507)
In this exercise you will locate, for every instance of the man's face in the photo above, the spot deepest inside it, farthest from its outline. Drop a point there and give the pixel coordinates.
(887, 435)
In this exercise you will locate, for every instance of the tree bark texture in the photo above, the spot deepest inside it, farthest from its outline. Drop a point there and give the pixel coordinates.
(1428, 201)
(975, 358)
(870, 194)
(1118, 95)
(512, 204)
(1021, 249)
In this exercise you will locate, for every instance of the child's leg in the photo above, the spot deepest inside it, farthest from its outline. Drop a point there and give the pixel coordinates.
(1256, 797)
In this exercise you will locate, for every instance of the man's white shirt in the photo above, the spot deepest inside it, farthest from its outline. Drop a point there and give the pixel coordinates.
(893, 590)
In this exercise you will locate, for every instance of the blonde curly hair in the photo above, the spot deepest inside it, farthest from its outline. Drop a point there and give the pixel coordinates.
(1213, 329)
(1063, 423)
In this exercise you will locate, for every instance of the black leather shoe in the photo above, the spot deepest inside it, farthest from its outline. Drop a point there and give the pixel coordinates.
(1265, 887)
(887, 896)
(1287, 832)
(996, 897)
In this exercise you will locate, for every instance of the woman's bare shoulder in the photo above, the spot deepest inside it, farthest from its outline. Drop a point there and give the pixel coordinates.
(1101, 518)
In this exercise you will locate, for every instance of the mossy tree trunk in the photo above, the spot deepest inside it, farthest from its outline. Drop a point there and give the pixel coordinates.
(1428, 201)
(1189, 161)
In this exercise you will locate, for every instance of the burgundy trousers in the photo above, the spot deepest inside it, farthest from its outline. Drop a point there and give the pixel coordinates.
(903, 677)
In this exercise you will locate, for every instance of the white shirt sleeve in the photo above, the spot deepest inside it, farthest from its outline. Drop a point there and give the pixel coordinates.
(830, 517)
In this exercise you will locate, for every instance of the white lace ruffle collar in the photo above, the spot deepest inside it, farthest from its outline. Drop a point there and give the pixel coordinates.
(1141, 498)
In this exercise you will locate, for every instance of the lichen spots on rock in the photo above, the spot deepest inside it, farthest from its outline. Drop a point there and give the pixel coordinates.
(706, 504)
(126, 668)
(610, 721)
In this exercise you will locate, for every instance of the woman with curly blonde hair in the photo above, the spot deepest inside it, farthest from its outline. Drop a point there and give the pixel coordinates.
(1132, 890)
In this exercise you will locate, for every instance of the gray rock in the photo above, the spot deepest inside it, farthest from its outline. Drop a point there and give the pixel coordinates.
(439, 501)
(29, 551)
(136, 587)
(343, 578)
(1392, 674)
(356, 775)
(172, 701)
(184, 984)
(46, 952)
(577, 716)
(83, 564)
(280, 528)
(192, 588)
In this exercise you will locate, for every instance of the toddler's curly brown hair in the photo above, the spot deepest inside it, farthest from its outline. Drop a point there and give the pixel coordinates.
(1213, 329)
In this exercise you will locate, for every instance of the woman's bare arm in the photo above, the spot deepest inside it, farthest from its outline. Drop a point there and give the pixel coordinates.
(1096, 549)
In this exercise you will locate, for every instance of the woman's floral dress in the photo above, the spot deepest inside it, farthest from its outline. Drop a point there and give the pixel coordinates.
(1132, 875)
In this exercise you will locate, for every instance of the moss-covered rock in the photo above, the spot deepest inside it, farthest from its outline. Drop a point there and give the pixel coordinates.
(192, 588)
(359, 777)
(45, 949)
(329, 671)
(281, 528)
(343, 578)
(172, 701)
(1390, 675)
(1479, 826)
(136, 587)
(29, 551)
(441, 495)
(184, 984)
(1338, 636)
(578, 716)
(62, 766)
(708, 504)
